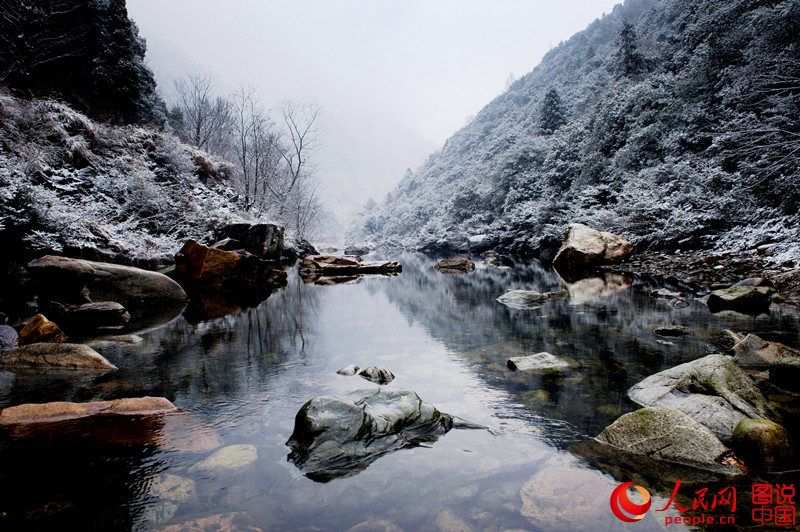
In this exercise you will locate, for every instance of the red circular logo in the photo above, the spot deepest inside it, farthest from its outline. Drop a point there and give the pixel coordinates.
(625, 509)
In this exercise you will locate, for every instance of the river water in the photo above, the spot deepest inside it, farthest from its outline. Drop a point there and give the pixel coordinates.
(241, 378)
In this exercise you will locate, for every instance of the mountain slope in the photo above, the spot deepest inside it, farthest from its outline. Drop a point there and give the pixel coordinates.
(682, 132)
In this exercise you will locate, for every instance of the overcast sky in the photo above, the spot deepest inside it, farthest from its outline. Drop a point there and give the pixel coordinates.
(410, 71)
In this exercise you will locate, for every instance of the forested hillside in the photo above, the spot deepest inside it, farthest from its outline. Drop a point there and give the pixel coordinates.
(673, 122)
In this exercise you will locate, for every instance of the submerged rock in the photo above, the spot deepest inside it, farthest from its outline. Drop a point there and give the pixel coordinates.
(376, 374)
(40, 329)
(56, 356)
(231, 522)
(539, 361)
(455, 266)
(712, 390)
(584, 248)
(763, 443)
(340, 436)
(670, 435)
(33, 413)
(563, 498)
(172, 488)
(82, 281)
(753, 352)
(747, 299)
(375, 526)
(228, 458)
(352, 369)
(528, 299)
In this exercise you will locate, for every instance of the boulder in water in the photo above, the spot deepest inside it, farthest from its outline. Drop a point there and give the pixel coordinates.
(55, 356)
(670, 435)
(377, 374)
(82, 281)
(347, 371)
(316, 266)
(763, 443)
(753, 352)
(199, 266)
(263, 240)
(747, 299)
(340, 436)
(712, 390)
(584, 248)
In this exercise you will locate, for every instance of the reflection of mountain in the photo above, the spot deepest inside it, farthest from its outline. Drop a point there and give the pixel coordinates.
(603, 328)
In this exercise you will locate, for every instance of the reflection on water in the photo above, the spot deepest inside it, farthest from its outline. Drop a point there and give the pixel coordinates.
(241, 376)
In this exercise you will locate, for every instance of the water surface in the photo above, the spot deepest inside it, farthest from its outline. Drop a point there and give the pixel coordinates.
(242, 378)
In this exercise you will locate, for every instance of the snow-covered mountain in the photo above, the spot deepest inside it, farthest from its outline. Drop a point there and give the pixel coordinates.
(673, 122)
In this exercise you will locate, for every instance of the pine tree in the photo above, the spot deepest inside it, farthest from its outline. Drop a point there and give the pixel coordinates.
(629, 60)
(551, 115)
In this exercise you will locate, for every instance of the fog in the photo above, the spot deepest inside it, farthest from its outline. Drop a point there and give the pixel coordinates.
(395, 78)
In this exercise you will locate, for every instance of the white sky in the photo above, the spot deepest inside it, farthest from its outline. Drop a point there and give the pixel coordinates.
(412, 69)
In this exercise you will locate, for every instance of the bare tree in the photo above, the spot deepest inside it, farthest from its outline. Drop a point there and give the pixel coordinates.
(206, 116)
(301, 128)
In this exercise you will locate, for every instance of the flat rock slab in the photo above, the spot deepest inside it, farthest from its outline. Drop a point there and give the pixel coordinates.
(670, 435)
(672, 330)
(712, 390)
(97, 315)
(528, 299)
(456, 266)
(32, 413)
(84, 281)
(56, 356)
(329, 266)
(539, 361)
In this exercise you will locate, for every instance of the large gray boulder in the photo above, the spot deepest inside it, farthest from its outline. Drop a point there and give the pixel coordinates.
(584, 248)
(9, 338)
(56, 356)
(83, 281)
(712, 390)
(340, 436)
(753, 352)
(670, 435)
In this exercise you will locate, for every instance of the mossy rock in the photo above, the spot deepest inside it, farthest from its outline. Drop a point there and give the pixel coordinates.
(763, 444)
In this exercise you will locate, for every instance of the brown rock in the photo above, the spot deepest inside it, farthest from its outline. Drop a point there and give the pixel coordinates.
(199, 265)
(33, 413)
(40, 329)
(232, 522)
(584, 248)
(455, 266)
(56, 356)
(748, 299)
(753, 352)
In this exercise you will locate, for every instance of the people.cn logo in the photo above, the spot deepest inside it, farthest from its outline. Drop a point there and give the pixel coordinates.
(625, 509)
